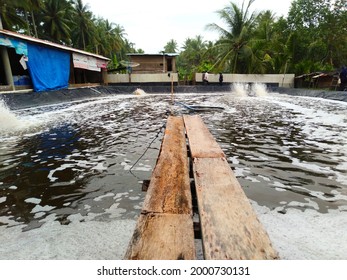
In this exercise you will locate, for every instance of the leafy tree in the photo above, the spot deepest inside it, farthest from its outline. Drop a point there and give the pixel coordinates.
(9, 18)
(311, 38)
(308, 13)
(320, 31)
(282, 45)
(334, 34)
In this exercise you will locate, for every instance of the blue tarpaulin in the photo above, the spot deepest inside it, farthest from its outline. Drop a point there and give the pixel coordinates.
(49, 68)
(19, 46)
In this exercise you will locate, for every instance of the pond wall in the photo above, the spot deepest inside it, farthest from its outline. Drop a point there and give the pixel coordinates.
(327, 94)
(21, 100)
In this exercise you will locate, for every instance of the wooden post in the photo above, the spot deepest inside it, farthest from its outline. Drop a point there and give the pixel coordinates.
(7, 66)
(172, 90)
(104, 76)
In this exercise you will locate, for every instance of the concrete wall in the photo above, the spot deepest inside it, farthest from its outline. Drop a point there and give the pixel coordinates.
(286, 80)
(151, 64)
(142, 78)
(281, 80)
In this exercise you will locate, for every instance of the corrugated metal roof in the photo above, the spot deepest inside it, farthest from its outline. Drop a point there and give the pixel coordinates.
(48, 43)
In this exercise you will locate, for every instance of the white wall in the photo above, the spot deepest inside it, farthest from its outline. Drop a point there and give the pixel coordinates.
(286, 80)
(142, 78)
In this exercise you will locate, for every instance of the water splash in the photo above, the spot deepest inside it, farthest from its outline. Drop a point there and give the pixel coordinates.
(240, 89)
(8, 120)
(139, 91)
(245, 90)
(17, 124)
(259, 90)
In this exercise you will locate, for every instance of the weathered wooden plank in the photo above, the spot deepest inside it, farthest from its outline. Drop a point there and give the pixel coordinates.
(164, 230)
(162, 237)
(201, 142)
(230, 228)
(169, 189)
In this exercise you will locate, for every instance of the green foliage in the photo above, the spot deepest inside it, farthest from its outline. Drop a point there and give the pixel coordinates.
(313, 36)
(171, 47)
(56, 18)
(234, 52)
(320, 32)
(10, 17)
(67, 22)
(191, 57)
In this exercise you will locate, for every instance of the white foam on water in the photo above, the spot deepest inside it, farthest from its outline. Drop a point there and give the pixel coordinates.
(321, 236)
(33, 200)
(298, 234)
(101, 197)
(37, 119)
(39, 208)
(79, 240)
(318, 123)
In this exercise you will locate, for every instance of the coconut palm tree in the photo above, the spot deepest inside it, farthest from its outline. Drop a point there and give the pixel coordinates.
(171, 46)
(234, 51)
(263, 44)
(109, 37)
(9, 18)
(191, 57)
(56, 20)
(83, 27)
(27, 10)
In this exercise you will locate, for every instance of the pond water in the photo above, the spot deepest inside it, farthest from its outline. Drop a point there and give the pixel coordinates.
(85, 161)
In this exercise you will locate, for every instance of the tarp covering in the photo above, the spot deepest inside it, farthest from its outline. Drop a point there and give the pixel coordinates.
(49, 68)
(20, 47)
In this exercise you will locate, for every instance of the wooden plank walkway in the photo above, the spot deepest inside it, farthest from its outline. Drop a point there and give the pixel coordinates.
(164, 230)
(201, 141)
(229, 226)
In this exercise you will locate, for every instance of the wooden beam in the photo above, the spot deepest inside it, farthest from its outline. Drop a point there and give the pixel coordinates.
(230, 228)
(169, 189)
(201, 141)
(165, 228)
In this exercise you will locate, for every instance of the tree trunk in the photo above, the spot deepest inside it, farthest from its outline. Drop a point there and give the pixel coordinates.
(34, 24)
(27, 23)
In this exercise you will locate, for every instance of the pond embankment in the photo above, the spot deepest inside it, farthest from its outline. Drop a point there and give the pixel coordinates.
(20, 100)
(320, 93)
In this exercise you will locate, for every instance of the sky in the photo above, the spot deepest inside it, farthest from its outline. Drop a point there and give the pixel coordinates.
(150, 24)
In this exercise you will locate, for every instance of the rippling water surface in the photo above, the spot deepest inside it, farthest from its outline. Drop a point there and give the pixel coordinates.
(90, 157)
